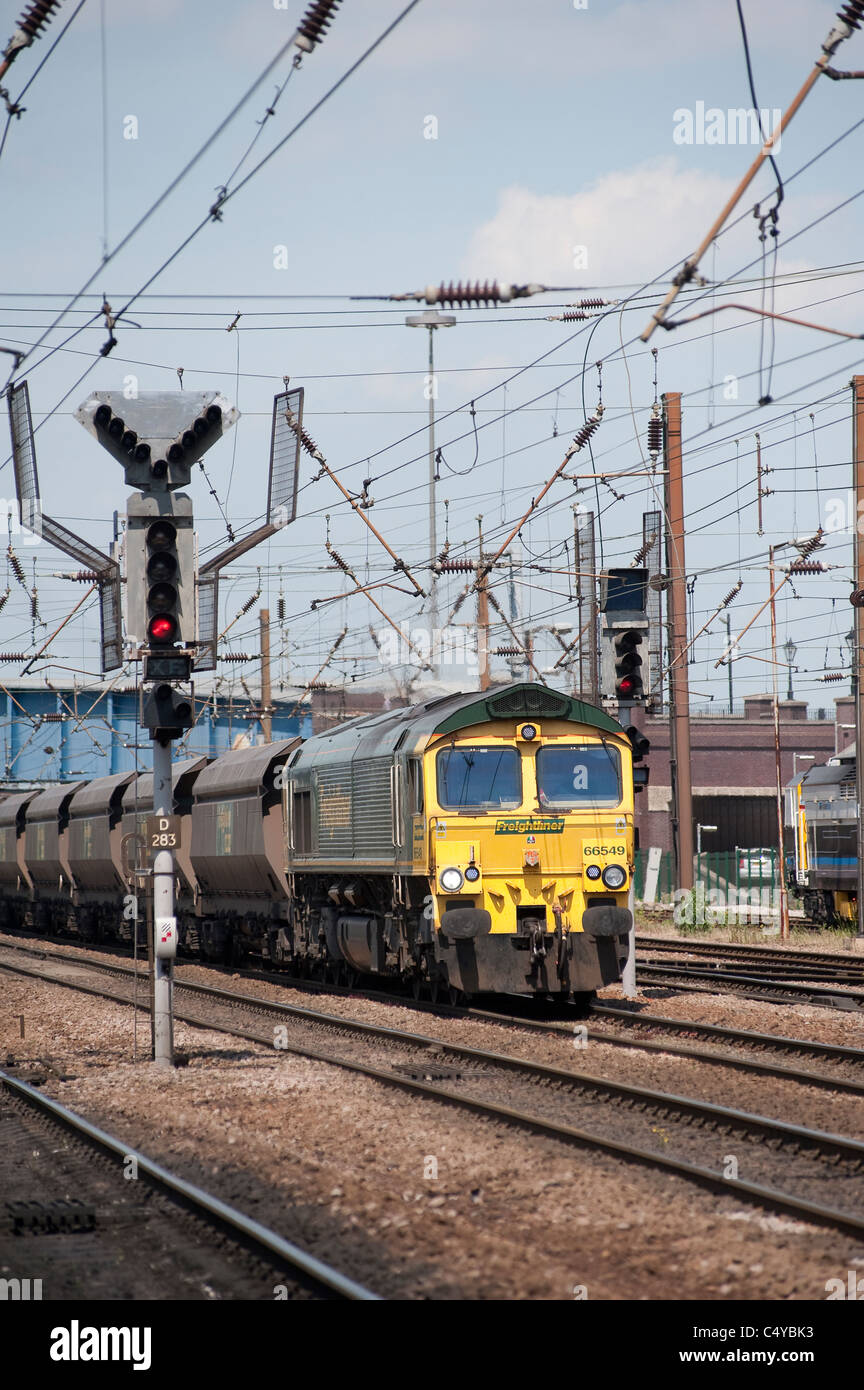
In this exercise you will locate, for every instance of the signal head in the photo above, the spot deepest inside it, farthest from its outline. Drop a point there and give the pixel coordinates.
(160, 573)
(628, 662)
(162, 567)
(167, 712)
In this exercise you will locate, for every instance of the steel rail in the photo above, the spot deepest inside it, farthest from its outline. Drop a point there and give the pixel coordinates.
(750, 987)
(714, 1032)
(756, 1066)
(778, 1041)
(264, 1243)
(765, 970)
(791, 959)
(740, 947)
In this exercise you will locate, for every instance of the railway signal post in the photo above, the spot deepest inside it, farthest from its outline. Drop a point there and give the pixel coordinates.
(625, 678)
(157, 437)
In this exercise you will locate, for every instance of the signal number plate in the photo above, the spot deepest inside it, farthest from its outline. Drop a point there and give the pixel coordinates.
(162, 832)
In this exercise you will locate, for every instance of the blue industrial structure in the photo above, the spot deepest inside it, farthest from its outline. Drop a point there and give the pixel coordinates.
(66, 734)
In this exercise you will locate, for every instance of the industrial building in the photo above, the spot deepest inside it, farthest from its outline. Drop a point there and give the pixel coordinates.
(63, 733)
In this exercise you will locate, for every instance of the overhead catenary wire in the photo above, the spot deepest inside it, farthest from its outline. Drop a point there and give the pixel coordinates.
(518, 407)
(224, 196)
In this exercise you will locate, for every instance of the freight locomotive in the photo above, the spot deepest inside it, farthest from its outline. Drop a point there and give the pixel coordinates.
(472, 843)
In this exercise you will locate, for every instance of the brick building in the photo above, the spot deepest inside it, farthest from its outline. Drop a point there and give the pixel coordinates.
(733, 771)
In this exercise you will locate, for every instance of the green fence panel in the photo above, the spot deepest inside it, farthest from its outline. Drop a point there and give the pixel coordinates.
(736, 887)
(731, 887)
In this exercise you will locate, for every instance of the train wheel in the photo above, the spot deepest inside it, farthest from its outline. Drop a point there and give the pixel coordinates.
(457, 997)
(583, 1000)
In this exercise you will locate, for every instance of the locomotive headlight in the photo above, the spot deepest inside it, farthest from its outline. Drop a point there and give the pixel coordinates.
(614, 876)
(528, 731)
(451, 880)
(472, 873)
(593, 871)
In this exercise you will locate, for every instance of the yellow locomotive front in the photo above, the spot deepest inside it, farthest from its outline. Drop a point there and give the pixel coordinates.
(479, 841)
(527, 839)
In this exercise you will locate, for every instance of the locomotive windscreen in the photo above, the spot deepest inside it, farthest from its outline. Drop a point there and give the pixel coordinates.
(579, 775)
(478, 777)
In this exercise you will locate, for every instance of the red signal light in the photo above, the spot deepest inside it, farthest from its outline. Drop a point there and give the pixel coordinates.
(162, 628)
(626, 685)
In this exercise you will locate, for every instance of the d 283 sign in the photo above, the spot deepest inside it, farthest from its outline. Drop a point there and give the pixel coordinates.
(162, 832)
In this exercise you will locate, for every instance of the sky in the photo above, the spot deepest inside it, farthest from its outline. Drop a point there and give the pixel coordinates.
(553, 160)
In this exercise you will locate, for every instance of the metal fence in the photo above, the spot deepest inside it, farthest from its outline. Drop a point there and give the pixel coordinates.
(734, 887)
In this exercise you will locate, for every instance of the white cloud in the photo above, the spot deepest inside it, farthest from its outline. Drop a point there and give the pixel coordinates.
(644, 222)
(632, 222)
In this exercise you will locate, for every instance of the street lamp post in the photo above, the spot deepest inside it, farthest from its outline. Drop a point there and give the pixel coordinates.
(805, 758)
(790, 649)
(432, 319)
(709, 829)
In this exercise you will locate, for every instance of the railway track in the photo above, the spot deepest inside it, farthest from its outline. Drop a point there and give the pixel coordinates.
(634, 1024)
(776, 1043)
(694, 979)
(776, 964)
(217, 1253)
(675, 1133)
(753, 1042)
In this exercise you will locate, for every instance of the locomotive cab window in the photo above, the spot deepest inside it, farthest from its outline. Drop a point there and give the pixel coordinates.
(478, 778)
(415, 785)
(302, 822)
(579, 775)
